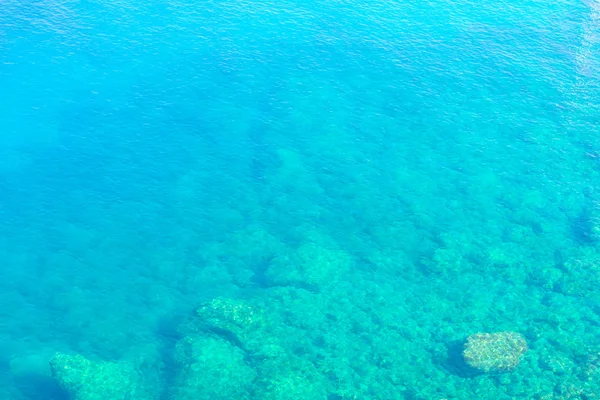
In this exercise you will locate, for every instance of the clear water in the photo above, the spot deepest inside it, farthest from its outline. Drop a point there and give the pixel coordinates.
(383, 178)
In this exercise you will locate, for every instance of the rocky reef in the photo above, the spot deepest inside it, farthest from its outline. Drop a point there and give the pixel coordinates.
(228, 350)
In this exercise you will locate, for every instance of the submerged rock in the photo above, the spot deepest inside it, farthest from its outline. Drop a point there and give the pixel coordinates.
(494, 352)
(232, 349)
(99, 380)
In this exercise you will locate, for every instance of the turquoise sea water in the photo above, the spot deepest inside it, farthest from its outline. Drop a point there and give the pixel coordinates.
(344, 191)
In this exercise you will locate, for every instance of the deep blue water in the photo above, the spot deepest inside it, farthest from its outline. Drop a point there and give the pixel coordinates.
(383, 179)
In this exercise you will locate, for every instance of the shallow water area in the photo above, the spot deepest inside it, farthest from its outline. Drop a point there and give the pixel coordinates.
(283, 200)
